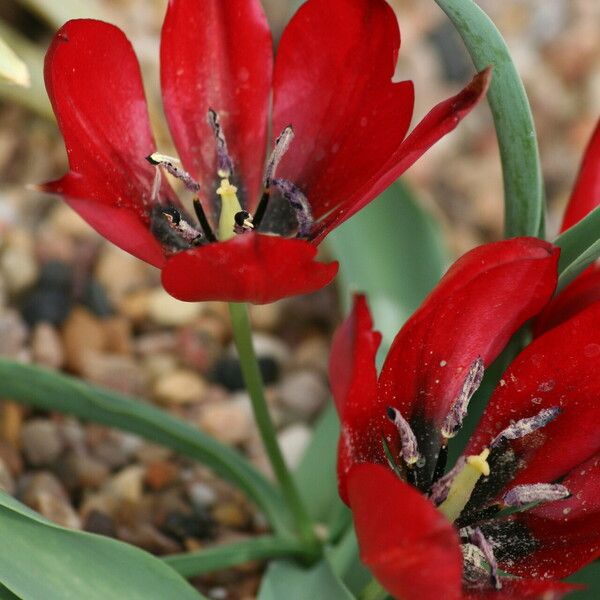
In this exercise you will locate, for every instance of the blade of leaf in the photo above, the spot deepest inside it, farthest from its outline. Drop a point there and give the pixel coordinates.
(392, 251)
(289, 581)
(51, 391)
(580, 246)
(316, 475)
(590, 577)
(515, 130)
(12, 68)
(345, 561)
(228, 555)
(33, 97)
(70, 565)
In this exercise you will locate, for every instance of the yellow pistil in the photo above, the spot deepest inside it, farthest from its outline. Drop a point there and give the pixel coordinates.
(463, 485)
(230, 206)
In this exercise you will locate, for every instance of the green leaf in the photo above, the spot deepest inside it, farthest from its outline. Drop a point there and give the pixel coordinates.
(590, 577)
(316, 476)
(580, 247)
(392, 251)
(229, 555)
(49, 390)
(12, 68)
(56, 13)
(345, 561)
(523, 191)
(289, 581)
(33, 97)
(39, 559)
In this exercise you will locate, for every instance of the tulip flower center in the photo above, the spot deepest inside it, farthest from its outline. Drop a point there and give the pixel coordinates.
(233, 219)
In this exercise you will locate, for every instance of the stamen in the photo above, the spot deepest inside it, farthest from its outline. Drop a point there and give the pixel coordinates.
(298, 201)
(474, 571)
(478, 539)
(526, 426)
(224, 162)
(463, 485)
(410, 451)
(282, 143)
(187, 232)
(230, 207)
(243, 222)
(439, 490)
(208, 232)
(458, 410)
(521, 495)
(154, 194)
(169, 164)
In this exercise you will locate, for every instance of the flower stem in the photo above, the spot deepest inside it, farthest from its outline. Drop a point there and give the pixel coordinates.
(243, 339)
(373, 591)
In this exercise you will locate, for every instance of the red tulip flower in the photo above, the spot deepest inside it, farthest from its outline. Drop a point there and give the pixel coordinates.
(524, 497)
(339, 125)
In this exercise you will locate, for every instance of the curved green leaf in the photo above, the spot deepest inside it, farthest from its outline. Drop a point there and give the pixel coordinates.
(523, 191)
(40, 560)
(49, 390)
(579, 247)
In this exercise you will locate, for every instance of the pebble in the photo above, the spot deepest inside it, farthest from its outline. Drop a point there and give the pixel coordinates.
(82, 333)
(265, 317)
(46, 305)
(148, 537)
(293, 441)
(13, 334)
(161, 473)
(228, 372)
(11, 423)
(67, 222)
(100, 523)
(303, 393)
(19, 269)
(7, 482)
(96, 299)
(313, 354)
(229, 422)
(199, 525)
(116, 372)
(201, 495)
(46, 346)
(180, 387)
(82, 471)
(127, 485)
(41, 442)
(167, 311)
(119, 273)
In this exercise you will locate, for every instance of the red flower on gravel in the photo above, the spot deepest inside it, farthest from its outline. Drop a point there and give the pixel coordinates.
(339, 120)
(524, 496)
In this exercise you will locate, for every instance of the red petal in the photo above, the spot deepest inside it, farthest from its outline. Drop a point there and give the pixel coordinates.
(578, 295)
(521, 589)
(334, 86)
(247, 268)
(442, 119)
(218, 55)
(560, 369)
(94, 83)
(353, 378)
(410, 547)
(474, 310)
(586, 193)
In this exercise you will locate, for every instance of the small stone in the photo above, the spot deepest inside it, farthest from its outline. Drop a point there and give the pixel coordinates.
(231, 514)
(293, 441)
(199, 525)
(11, 458)
(96, 300)
(135, 306)
(119, 273)
(165, 310)
(100, 523)
(118, 335)
(82, 471)
(46, 346)
(13, 333)
(197, 348)
(201, 495)
(148, 537)
(313, 354)
(229, 422)
(7, 483)
(67, 222)
(41, 441)
(228, 372)
(46, 305)
(82, 333)
(265, 317)
(180, 387)
(160, 474)
(19, 269)
(57, 510)
(303, 393)
(120, 373)
(127, 485)
(12, 423)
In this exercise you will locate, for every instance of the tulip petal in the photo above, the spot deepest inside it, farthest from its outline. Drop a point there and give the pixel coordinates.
(94, 83)
(523, 589)
(353, 378)
(442, 119)
(410, 547)
(558, 369)
(474, 310)
(578, 295)
(586, 192)
(247, 268)
(335, 88)
(218, 55)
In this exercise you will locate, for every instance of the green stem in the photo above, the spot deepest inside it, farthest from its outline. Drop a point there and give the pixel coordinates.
(228, 555)
(373, 591)
(243, 339)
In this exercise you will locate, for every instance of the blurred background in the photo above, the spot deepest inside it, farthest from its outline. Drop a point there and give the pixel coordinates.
(70, 301)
